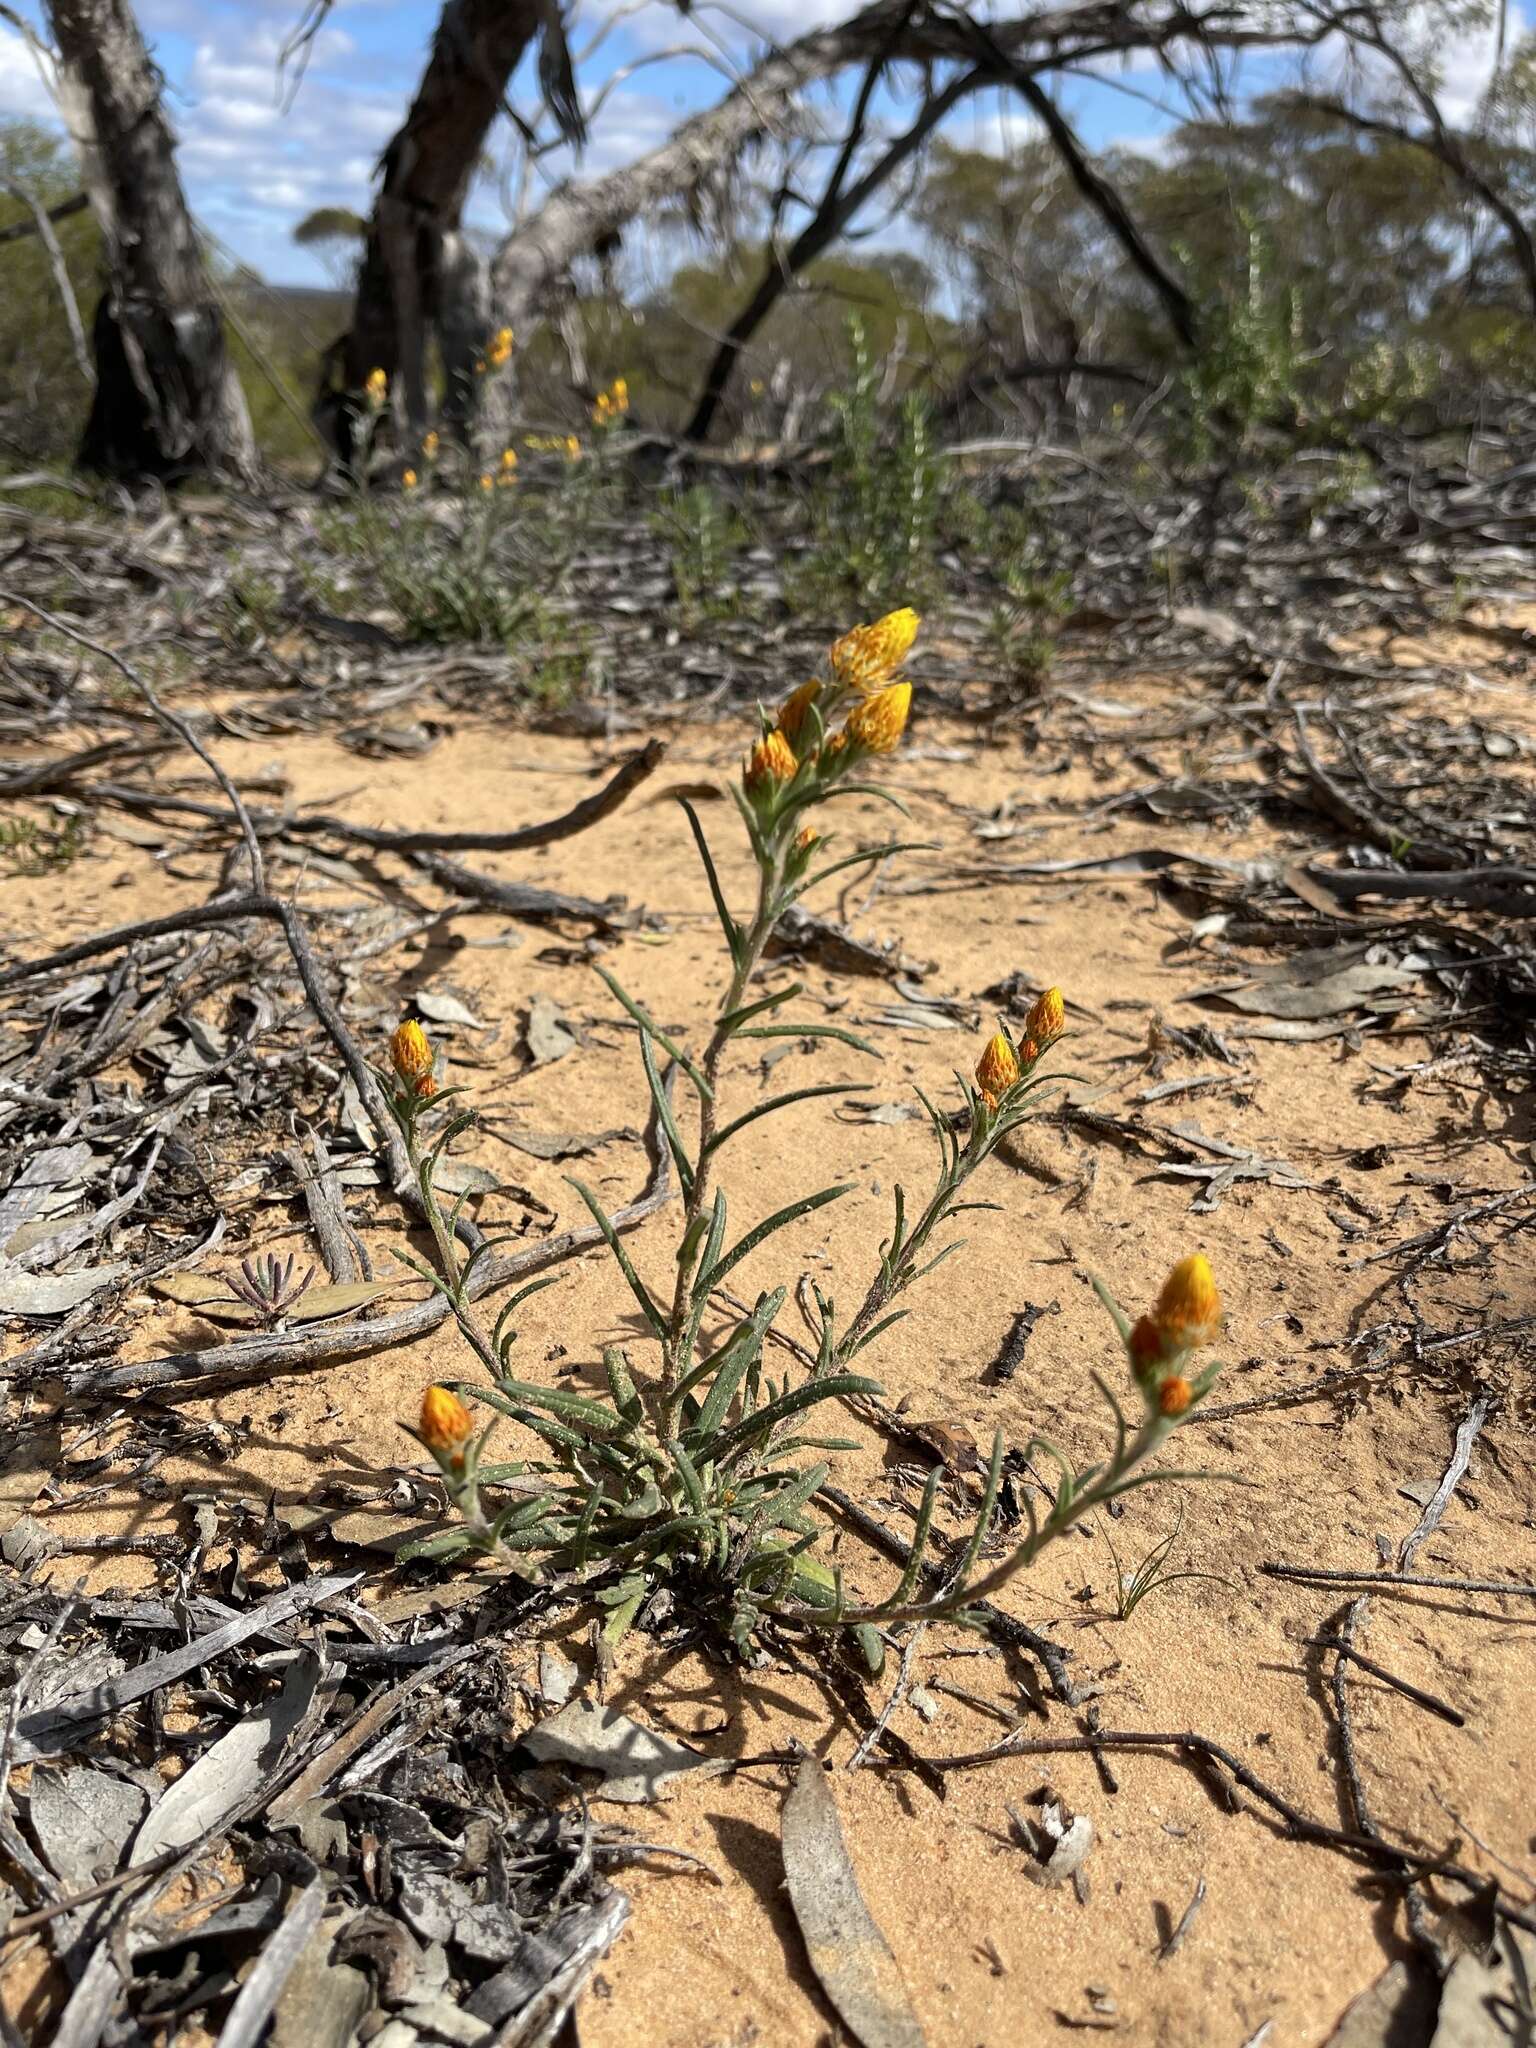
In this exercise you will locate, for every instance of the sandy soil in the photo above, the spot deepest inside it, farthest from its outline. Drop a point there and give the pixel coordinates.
(1287, 1934)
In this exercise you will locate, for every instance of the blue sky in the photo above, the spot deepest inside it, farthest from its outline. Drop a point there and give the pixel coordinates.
(253, 169)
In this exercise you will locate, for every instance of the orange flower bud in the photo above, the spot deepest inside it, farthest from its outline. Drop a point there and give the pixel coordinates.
(878, 723)
(1188, 1311)
(805, 839)
(871, 655)
(770, 763)
(793, 711)
(1174, 1396)
(1047, 1018)
(997, 1069)
(410, 1053)
(1146, 1347)
(446, 1424)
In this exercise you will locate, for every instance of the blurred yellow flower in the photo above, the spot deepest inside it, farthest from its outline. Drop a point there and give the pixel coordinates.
(409, 479)
(805, 839)
(621, 394)
(1174, 1395)
(487, 481)
(572, 448)
(377, 387)
(870, 655)
(509, 458)
(771, 762)
(429, 446)
(446, 1424)
(1188, 1312)
(794, 708)
(997, 1069)
(878, 723)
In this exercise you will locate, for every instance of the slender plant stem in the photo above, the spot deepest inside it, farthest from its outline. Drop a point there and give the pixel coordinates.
(749, 957)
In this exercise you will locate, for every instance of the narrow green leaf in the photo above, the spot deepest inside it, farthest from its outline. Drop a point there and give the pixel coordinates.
(664, 1116)
(565, 1405)
(774, 1412)
(637, 1286)
(734, 1019)
(813, 1031)
(867, 853)
(777, 1102)
(626, 1395)
(648, 1023)
(728, 923)
(766, 1229)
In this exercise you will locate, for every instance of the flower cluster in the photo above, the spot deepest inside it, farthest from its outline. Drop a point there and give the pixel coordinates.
(610, 406)
(1186, 1316)
(798, 749)
(376, 385)
(1004, 1065)
(567, 445)
(498, 354)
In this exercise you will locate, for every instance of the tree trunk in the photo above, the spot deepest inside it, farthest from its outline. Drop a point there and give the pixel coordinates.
(167, 401)
(417, 273)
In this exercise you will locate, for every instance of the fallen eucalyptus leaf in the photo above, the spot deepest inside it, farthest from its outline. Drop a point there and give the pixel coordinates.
(52, 1294)
(849, 1954)
(316, 1303)
(548, 1036)
(636, 1763)
(448, 1010)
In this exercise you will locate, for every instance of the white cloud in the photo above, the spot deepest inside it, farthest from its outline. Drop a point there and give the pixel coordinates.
(22, 91)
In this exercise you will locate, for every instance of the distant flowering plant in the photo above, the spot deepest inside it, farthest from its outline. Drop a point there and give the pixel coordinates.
(689, 1484)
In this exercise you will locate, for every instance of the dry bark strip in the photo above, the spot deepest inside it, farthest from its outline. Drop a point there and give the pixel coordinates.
(851, 1957)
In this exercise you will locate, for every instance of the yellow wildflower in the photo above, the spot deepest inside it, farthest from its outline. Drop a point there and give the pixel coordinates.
(621, 394)
(1047, 1017)
(409, 479)
(1188, 1311)
(572, 448)
(757, 387)
(377, 387)
(446, 1424)
(509, 458)
(997, 1069)
(879, 722)
(487, 481)
(870, 655)
(429, 446)
(794, 708)
(410, 1054)
(1046, 1021)
(771, 762)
